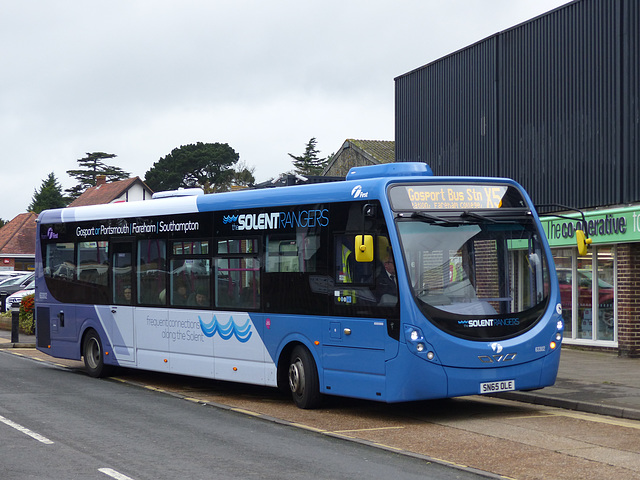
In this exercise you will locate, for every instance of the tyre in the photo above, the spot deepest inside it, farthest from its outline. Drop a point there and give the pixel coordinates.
(94, 356)
(303, 379)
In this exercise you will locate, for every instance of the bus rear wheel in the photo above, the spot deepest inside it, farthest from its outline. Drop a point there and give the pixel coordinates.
(303, 379)
(94, 356)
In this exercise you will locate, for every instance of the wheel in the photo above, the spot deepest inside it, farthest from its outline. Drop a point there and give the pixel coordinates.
(303, 379)
(94, 356)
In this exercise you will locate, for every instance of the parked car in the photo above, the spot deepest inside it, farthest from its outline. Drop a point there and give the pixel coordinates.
(16, 298)
(14, 285)
(4, 274)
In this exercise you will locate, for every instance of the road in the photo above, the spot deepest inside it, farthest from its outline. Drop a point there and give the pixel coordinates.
(58, 423)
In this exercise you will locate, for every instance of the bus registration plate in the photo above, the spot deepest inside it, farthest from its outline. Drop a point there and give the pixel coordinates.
(493, 387)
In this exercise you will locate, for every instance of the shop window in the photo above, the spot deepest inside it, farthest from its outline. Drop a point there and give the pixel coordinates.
(563, 258)
(603, 285)
(587, 293)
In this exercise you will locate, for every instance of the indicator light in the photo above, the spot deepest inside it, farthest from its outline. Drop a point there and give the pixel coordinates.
(553, 345)
(316, 343)
(235, 369)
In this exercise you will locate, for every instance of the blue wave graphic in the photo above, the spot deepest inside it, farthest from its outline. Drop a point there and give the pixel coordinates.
(228, 330)
(229, 218)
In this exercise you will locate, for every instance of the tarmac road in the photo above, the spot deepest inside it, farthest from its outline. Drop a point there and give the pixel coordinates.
(508, 438)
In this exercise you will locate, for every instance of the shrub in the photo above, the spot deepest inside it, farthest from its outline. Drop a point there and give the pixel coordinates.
(27, 323)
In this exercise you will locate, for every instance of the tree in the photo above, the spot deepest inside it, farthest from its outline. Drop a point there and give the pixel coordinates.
(49, 196)
(93, 166)
(309, 163)
(206, 165)
(243, 175)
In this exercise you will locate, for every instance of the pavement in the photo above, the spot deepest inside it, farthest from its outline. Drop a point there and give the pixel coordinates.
(588, 381)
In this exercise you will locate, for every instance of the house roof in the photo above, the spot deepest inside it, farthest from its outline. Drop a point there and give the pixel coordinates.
(372, 151)
(18, 237)
(383, 151)
(106, 192)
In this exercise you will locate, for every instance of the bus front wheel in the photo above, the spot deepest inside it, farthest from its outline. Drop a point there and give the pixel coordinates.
(94, 356)
(303, 379)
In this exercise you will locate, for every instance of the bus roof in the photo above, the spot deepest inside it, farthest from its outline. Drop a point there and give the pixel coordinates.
(361, 183)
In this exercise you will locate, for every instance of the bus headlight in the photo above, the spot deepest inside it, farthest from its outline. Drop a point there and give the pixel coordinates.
(417, 343)
(558, 337)
(560, 325)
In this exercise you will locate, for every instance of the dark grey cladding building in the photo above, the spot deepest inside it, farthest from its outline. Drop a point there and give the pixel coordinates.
(553, 103)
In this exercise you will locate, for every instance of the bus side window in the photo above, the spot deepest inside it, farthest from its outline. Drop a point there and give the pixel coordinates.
(152, 272)
(189, 274)
(347, 270)
(92, 271)
(59, 261)
(237, 274)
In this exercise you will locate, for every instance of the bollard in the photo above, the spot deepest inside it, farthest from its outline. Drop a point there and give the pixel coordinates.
(15, 323)
(3, 301)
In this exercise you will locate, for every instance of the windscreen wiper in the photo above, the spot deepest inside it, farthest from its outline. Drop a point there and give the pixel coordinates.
(431, 218)
(496, 217)
(477, 216)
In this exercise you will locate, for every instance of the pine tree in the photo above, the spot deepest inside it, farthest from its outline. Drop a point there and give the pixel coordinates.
(309, 163)
(49, 196)
(93, 166)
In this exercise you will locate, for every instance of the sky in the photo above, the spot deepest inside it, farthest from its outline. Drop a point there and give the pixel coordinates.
(138, 78)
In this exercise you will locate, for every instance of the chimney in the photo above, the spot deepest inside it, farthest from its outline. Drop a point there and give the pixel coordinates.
(101, 180)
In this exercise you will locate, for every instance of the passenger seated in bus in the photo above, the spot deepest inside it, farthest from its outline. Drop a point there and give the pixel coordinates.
(199, 298)
(180, 296)
(124, 295)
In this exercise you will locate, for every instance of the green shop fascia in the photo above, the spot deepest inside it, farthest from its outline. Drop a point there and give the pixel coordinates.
(618, 225)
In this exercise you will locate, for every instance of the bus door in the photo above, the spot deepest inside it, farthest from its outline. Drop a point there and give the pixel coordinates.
(120, 323)
(355, 336)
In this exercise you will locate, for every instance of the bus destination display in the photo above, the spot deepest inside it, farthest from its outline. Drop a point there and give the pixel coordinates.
(447, 197)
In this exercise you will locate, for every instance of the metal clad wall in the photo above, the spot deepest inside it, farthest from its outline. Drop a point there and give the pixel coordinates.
(560, 104)
(444, 112)
(558, 108)
(631, 101)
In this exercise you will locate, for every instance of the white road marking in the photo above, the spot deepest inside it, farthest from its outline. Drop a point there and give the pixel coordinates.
(113, 474)
(26, 431)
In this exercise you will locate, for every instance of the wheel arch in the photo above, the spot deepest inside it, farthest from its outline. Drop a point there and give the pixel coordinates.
(282, 364)
(92, 325)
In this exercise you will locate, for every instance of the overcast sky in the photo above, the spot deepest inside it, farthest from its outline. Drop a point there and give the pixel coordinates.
(138, 78)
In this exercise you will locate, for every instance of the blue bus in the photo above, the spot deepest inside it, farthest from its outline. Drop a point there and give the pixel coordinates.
(393, 285)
